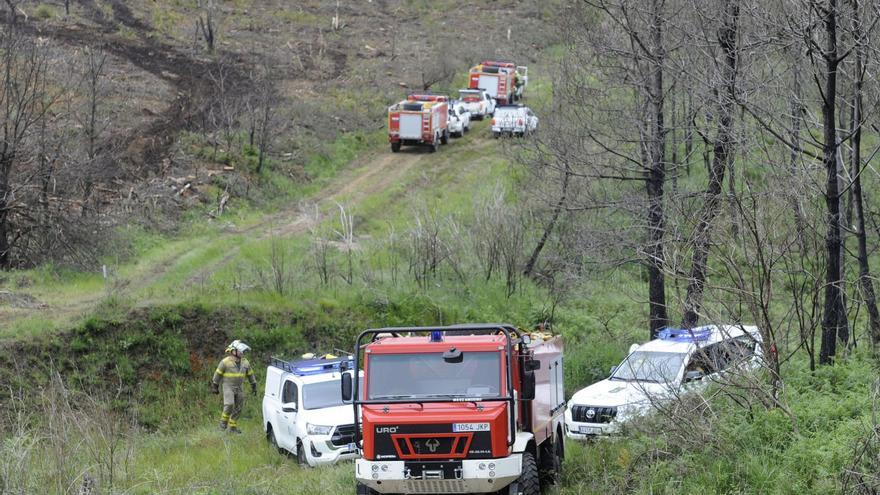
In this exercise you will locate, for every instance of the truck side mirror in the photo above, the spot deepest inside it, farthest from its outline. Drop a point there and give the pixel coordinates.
(528, 386)
(346, 387)
(613, 369)
(532, 365)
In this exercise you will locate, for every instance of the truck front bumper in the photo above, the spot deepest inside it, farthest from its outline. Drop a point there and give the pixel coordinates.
(473, 476)
(321, 451)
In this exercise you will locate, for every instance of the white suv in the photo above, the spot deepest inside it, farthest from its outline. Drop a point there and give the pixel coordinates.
(679, 360)
(459, 119)
(303, 411)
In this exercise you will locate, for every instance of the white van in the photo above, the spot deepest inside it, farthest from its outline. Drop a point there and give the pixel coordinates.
(679, 360)
(303, 413)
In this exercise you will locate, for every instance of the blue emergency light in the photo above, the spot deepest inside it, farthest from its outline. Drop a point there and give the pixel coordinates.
(436, 336)
(315, 366)
(684, 334)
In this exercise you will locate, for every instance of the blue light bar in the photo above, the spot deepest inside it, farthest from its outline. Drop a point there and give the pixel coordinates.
(436, 336)
(314, 366)
(685, 335)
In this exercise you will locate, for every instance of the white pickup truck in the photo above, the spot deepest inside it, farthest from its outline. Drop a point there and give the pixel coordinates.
(303, 413)
(478, 102)
(513, 120)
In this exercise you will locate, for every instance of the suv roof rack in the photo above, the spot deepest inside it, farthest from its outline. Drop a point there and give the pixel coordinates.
(319, 366)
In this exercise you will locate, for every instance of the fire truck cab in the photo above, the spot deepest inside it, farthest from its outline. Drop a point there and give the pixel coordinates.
(461, 409)
(420, 119)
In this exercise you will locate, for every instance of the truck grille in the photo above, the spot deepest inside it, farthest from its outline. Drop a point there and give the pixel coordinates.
(435, 486)
(582, 414)
(343, 435)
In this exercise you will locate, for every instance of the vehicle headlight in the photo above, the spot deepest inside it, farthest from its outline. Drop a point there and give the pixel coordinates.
(318, 429)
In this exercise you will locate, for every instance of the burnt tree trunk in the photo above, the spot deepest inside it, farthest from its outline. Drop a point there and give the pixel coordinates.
(834, 324)
(866, 284)
(722, 155)
(657, 318)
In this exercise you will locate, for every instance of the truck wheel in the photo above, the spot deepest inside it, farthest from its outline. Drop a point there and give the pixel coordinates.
(435, 146)
(361, 489)
(395, 147)
(270, 437)
(301, 454)
(444, 139)
(551, 462)
(528, 482)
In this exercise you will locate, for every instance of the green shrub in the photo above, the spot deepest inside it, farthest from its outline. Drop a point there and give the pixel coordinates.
(44, 12)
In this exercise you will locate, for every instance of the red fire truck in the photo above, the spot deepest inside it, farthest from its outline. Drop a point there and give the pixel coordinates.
(500, 79)
(474, 408)
(420, 119)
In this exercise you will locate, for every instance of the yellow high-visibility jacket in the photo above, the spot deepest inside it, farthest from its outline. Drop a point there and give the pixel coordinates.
(231, 373)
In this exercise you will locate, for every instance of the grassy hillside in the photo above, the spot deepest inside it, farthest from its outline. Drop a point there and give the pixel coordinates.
(105, 378)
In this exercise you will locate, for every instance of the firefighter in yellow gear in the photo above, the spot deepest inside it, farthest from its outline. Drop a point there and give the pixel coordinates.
(231, 373)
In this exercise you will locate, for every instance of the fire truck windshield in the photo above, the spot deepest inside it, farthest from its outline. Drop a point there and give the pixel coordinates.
(428, 375)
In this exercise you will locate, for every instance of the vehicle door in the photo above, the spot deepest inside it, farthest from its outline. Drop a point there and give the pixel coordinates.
(703, 364)
(288, 413)
(742, 352)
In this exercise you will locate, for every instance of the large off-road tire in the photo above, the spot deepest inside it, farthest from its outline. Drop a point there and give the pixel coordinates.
(529, 482)
(552, 452)
(301, 454)
(395, 147)
(435, 146)
(444, 139)
(361, 489)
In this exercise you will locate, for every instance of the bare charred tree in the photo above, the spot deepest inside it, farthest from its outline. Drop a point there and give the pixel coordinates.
(89, 119)
(205, 22)
(23, 103)
(722, 154)
(225, 115)
(640, 60)
(264, 125)
(834, 323)
(866, 283)
(551, 223)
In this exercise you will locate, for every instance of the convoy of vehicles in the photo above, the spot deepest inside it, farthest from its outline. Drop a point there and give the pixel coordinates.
(303, 413)
(476, 408)
(678, 361)
(478, 102)
(513, 120)
(420, 119)
(426, 119)
(459, 119)
(461, 409)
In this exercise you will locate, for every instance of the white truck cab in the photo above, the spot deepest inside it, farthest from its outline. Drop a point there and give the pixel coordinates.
(478, 102)
(679, 361)
(303, 413)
